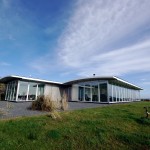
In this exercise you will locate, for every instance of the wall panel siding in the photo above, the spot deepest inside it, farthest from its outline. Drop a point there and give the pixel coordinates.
(74, 92)
(53, 91)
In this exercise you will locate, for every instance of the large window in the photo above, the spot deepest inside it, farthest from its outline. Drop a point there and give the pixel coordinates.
(11, 91)
(81, 93)
(92, 91)
(29, 90)
(95, 93)
(98, 91)
(103, 92)
(32, 91)
(87, 93)
(23, 89)
(110, 92)
(40, 89)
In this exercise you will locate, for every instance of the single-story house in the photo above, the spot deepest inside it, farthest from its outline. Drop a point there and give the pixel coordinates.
(94, 89)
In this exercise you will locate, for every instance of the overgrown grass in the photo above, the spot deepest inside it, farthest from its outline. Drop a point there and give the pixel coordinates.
(113, 127)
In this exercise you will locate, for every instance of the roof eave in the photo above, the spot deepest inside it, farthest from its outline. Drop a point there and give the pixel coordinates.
(26, 78)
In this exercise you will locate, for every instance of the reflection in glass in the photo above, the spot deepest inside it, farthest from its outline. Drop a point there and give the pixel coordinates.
(40, 89)
(87, 94)
(95, 93)
(11, 91)
(103, 92)
(81, 93)
(110, 90)
(32, 91)
(22, 94)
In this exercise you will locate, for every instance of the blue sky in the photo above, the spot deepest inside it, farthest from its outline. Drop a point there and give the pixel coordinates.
(65, 39)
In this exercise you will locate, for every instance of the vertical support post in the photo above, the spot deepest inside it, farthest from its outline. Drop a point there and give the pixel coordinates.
(116, 92)
(112, 92)
(107, 92)
(119, 92)
(36, 92)
(27, 98)
(91, 93)
(98, 93)
(84, 93)
(18, 86)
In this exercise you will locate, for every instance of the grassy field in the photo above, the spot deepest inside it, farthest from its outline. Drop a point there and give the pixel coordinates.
(113, 127)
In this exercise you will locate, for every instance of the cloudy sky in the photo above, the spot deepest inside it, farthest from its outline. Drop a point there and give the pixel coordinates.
(62, 40)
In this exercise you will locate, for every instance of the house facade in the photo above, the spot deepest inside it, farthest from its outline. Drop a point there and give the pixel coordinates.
(94, 89)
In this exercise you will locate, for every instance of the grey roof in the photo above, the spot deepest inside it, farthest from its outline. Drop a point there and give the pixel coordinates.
(110, 78)
(14, 77)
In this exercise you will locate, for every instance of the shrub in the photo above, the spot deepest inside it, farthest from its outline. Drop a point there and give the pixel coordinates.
(44, 103)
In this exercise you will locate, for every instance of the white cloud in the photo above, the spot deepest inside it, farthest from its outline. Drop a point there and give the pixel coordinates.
(127, 60)
(95, 27)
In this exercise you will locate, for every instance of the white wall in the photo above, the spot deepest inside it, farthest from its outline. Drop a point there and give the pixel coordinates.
(53, 91)
(74, 92)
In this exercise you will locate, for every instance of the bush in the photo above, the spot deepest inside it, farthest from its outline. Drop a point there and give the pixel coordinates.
(44, 103)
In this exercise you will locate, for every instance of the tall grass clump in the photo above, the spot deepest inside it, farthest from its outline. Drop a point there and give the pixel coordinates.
(46, 103)
(64, 103)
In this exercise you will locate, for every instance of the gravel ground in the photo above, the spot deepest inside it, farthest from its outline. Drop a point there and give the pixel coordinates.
(17, 109)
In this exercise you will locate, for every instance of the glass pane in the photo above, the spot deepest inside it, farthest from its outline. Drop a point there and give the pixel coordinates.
(15, 91)
(120, 93)
(95, 93)
(87, 94)
(103, 92)
(81, 94)
(118, 96)
(7, 94)
(11, 91)
(110, 92)
(32, 91)
(114, 93)
(40, 89)
(22, 94)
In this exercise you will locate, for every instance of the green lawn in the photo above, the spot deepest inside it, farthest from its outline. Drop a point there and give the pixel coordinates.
(113, 127)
